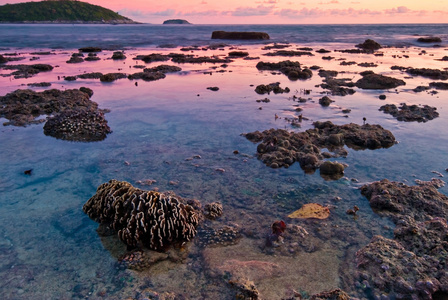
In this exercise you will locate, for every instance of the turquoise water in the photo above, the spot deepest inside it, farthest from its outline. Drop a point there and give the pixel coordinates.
(50, 249)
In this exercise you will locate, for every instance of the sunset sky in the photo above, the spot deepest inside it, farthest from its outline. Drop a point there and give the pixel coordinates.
(278, 11)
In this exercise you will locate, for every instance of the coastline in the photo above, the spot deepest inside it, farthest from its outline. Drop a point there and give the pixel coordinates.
(112, 22)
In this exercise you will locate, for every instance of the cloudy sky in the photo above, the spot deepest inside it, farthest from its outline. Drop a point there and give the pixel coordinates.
(278, 11)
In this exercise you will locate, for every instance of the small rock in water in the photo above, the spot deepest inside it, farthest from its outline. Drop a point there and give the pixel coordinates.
(28, 172)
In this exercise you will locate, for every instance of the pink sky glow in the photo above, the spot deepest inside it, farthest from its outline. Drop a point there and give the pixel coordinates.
(278, 11)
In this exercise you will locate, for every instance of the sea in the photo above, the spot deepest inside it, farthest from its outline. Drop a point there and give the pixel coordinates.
(176, 135)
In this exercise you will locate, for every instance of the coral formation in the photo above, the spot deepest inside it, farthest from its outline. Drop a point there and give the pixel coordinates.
(409, 113)
(78, 125)
(224, 236)
(280, 148)
(142, 218)
(213, 210)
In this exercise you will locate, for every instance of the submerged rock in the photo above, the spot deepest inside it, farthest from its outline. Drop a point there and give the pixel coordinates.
(331, 170)
(409, 113)
(143, 218)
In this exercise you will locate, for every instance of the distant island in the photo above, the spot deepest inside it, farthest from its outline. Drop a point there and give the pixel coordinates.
(60, 11)
(176, 21)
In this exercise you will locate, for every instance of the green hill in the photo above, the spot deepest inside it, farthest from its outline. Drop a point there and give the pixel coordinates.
(59, 11)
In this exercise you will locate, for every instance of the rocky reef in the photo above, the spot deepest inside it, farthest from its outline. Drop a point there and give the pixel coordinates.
(291, 69)
(412, 265)
(71, 114)
(409, 113)
(26, 71)
(143, 218)
(395, 200)
(280, 148)
(372, 81)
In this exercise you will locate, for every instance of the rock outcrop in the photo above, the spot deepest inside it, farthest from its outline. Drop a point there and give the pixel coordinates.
(240, 35)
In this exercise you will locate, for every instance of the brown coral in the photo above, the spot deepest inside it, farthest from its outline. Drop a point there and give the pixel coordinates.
(148, 218)
(280, 148)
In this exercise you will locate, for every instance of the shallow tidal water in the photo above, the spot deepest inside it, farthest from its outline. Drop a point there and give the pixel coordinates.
(50, 249)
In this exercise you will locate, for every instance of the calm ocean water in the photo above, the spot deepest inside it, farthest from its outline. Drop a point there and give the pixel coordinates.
(49, 249)
(118, 36)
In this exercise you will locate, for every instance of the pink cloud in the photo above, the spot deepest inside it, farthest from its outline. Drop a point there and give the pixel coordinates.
(398, 10)
(260, 10)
